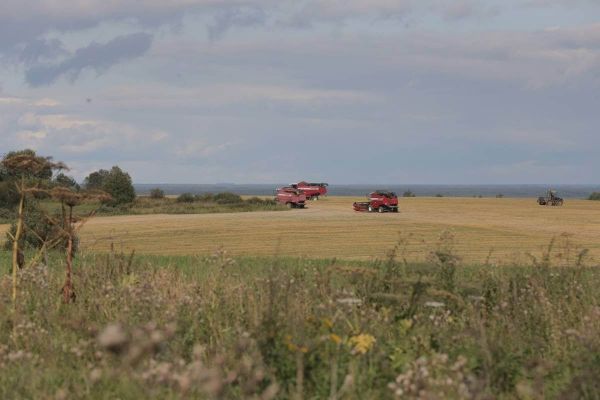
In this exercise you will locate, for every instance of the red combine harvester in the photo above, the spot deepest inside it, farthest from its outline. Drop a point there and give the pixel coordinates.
(291, 197)
(380, 201)
(311, 190)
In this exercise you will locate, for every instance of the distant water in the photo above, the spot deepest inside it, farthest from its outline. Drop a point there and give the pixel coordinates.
(566, 191)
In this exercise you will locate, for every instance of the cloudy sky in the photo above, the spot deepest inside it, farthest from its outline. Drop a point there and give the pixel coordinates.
(345, 91)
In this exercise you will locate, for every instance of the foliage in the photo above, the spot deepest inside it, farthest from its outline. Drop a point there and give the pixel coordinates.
(95, 180)
(224, 199)
(240, 328)
(23, 164)
(8, 195)
(63, 180)
(186, 198)
(37, 167)
(39, 230)
(157, 193)
(408, 193)
(594, 196)
(227, 198)
(116, 183)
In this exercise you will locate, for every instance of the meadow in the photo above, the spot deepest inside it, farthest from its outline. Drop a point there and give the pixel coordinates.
(321, 303)
(222, 327)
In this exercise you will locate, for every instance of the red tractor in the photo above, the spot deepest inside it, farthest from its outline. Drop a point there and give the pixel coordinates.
(312, 190)
(291, 197)
(380, 201)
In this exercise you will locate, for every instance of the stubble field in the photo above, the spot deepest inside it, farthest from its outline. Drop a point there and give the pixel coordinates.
(502, 231)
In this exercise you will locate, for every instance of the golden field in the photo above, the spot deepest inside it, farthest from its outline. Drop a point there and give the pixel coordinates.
(499, 230)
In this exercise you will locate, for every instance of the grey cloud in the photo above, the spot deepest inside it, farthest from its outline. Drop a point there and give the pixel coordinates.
(99, 57)
(227, 18)
(41, 49)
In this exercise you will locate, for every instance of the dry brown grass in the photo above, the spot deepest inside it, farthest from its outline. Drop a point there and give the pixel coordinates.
(507, 229)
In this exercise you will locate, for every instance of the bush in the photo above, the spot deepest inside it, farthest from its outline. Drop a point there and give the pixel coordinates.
(186, 198)
(259, 201)
(594, 196)
(227, 198)
(38, 230)
(205, 198)
(157, 194)
(8, 195)
(499, 196)
(439, 195)
(408, 193)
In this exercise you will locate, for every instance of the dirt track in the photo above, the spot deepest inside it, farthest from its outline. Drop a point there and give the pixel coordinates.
(504, 228)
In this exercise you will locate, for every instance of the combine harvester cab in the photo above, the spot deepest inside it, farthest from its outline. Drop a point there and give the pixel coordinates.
(380, 201)
(312, 190)
(291, 197)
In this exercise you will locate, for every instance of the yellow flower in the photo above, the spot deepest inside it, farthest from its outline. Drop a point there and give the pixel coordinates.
(335, 338)
(362, 343)
(406, 324)
(327, 323)
(293, 347)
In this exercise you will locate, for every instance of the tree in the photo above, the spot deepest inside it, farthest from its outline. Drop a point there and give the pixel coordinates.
(115, 182)
(95, 180)
(68, 182)
(119, 186)
(157, 194)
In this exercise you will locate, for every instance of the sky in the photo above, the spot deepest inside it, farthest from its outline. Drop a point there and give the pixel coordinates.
(343, 91)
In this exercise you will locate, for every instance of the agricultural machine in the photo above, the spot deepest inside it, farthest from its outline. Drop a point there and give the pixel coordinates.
(290, 196)
(311, 190)
(380, 201)
(551, 199)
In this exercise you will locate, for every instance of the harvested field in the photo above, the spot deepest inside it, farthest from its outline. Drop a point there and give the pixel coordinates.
(501, 230)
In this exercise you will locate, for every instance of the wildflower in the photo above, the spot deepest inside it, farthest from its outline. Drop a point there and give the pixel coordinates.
(335, 338)
(362, 343)
(113, 338)
(406, 324)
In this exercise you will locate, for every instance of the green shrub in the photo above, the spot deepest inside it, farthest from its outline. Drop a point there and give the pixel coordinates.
(227, 198)
(258, 201)
(157, 194)
(594, 196)
(186, 198)
(205, 198)
(39, 229)
(408, 193)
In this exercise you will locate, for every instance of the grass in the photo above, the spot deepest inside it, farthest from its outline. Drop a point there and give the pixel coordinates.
(222, 327)
(168, 205)
(498, 231)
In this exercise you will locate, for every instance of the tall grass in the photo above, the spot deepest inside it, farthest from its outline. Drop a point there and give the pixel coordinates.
(262, 328)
